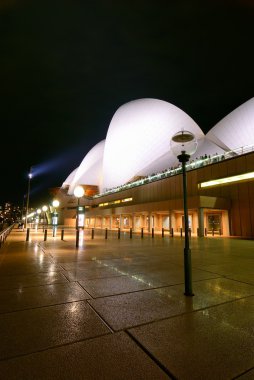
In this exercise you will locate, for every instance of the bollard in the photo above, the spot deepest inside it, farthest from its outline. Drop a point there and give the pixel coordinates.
(142, 232)
(77, 238)
(181, 232)
(162, 232)
(54, 232)
(205, 231)
(118, 234)
(189, 232)
(130, 233)
(106, 233)
(172, 232)
(45, 234)
(220, 232)
(27, 234)
(62, 234)
(213, 231)
(92, 233)
(197, 231)
(152, 232)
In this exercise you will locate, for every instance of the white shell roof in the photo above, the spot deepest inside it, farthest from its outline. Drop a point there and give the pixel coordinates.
(89, 171)
(69, 179)
(138, 142)
(236, 129)
(139, 135)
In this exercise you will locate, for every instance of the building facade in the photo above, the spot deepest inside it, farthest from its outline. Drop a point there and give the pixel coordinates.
(139, 185)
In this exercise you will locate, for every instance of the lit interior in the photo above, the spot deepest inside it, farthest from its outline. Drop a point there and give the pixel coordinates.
(222, 181)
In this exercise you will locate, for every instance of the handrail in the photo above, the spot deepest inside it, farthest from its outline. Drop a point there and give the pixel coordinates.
(193, 164)
(5, 233)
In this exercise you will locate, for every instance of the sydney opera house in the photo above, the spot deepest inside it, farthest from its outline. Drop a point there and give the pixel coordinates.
(132, 179)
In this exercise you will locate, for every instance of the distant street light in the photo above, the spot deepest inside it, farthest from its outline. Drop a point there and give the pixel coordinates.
(183, 145)
(28, 195)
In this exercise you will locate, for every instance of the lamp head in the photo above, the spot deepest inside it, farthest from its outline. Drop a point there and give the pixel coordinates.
(55, 203)
(183, 143)
(79, 191)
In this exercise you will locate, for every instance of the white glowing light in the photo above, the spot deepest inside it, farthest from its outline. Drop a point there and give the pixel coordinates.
(55, 203)
(79, 191)
(44, 208)
(223, 181)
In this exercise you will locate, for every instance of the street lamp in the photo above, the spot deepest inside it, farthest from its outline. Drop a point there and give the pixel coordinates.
(44, 209)
(55, 204)
(37, 219)
(79, 192)
(28, 194)
(183, 145)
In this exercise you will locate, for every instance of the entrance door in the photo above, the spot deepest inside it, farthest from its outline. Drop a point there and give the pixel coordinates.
(214, 223)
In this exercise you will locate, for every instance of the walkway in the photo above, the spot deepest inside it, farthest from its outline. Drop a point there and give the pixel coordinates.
(115, 309)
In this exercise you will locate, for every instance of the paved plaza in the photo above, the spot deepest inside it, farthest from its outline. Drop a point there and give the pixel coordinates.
(115, 308)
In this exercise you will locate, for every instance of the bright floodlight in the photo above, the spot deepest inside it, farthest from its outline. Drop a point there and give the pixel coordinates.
(44, 208)
(79, 191)
(38, 211)
(55, 203)
(183, 142)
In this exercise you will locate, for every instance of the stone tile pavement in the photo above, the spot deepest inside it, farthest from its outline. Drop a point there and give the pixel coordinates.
(115, 308)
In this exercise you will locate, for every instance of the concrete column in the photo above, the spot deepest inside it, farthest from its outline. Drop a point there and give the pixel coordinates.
(201, 221)
(133, 222)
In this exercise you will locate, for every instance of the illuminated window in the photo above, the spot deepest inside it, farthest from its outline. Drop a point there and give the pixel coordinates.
(223, 181)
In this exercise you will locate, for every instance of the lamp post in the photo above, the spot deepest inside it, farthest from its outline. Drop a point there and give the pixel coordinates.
(44, 209)
(183, 145)
(37, 219)
(79, 192)
(55, 204)
(28, 195)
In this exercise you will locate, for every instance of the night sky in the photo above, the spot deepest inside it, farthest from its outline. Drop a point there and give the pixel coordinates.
(66, 66)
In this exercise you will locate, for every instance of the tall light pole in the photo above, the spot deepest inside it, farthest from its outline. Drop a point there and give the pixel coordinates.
(28, 195)
(55, 204)
(183, 145)
(79, 192)
(44, 209)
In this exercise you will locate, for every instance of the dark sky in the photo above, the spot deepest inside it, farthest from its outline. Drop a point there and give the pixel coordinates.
(66, 66)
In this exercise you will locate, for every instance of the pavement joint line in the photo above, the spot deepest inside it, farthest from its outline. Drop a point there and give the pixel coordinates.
(44, 306)
(53, 347)
(100, 317)
(243, 373)
(151, 356)
(181, 314)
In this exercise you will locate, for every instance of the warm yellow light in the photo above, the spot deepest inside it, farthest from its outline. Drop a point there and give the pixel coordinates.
(44, 208)
(127, 200)
(55, 203)
(222, 181)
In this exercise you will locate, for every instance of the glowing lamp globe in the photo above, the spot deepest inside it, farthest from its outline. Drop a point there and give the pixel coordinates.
(38, 211)
(44, 208)
(183, 143)
(79, 191)
(55, 203)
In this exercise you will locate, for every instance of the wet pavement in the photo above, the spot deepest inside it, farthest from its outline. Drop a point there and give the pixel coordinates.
(116, 309)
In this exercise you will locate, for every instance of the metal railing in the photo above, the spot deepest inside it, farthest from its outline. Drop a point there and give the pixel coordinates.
(4, 233)
(193, 164)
